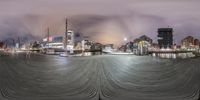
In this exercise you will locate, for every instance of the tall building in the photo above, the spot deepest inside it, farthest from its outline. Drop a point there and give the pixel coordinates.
(165, 37)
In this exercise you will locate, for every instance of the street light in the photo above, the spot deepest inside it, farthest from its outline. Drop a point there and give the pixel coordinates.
(125, 39)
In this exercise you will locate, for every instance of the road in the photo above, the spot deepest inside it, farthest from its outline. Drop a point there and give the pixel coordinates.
(105, 77)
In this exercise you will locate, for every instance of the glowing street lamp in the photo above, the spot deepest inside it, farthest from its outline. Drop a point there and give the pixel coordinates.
(125, 39)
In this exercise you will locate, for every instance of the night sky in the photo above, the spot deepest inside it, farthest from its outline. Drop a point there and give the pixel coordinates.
(105, 21)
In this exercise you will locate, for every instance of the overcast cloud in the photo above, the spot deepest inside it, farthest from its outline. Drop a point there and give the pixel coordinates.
(107, 20)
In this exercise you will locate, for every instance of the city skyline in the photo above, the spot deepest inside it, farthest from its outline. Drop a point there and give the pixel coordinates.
(99, 50)
(104, 21)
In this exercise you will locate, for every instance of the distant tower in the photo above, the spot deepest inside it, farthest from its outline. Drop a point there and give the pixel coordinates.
(66, 34)
(165, 37)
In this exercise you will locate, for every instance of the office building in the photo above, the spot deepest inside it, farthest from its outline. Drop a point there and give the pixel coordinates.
(165, 37)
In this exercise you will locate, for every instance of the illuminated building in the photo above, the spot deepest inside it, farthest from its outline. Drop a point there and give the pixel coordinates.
(189, 43)
(144, 38)
(57, 41)
(141, 45)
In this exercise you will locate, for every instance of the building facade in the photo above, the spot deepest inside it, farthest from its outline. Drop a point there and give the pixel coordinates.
(1, 44)
(165, 37)
(196, 42)
(141, 45)
(146, 38)
(189, 42)
(58, 41)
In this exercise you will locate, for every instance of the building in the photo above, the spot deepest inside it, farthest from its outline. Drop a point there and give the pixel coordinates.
(143, 38)
(141, 45)
(54, 42)
(189, 42)
(154, 47)
(70, 37)
(146, 38)
(1, 44)
(196, 42)
(58, 41)
(165, 37)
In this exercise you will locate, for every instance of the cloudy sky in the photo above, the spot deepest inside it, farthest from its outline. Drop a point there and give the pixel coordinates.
(106, 21)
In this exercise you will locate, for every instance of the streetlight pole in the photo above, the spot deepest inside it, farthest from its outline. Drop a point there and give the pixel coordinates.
(125, 47)
(48, 37)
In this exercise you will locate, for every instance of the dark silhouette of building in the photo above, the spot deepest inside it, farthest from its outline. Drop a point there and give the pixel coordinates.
(196, 42)
(1, 44)
(165, 37)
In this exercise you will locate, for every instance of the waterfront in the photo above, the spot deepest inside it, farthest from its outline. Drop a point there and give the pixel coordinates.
(103, 77)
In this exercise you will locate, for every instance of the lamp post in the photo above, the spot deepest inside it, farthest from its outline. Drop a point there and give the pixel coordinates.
(125, 41)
